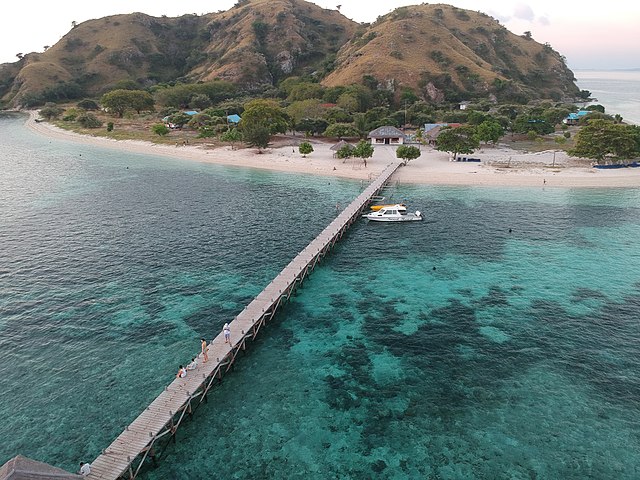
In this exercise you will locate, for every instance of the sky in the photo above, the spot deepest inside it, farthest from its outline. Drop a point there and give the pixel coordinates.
(590, 37)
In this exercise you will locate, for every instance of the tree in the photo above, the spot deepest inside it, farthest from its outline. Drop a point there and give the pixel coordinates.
(231, 136)
(346, 151)
(595, 108)
(70, 115)
(602, 139)
(179, 119)
(489, 131)
(260, 120)
(305, 148)
(267, 113)
(312, 126)
(341, 130)
(525, 123)
(256, 135)
(51, 110)
(160, 129)
(457, 140)
(555, 115)
(305, 91)
(476, 118)
(305, 109)
(407, 153)
(363, 150)
(200, 101)
(348, 102)
(594, 115)
(119, 101)
(200, 120)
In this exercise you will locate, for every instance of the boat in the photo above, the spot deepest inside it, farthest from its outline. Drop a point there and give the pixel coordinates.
(401, 207)
(393, 213)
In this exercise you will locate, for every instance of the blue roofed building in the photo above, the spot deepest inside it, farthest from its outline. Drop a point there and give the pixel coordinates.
(233, 118)
(575, 117)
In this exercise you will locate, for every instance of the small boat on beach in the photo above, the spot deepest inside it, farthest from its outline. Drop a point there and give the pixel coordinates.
(393, 213)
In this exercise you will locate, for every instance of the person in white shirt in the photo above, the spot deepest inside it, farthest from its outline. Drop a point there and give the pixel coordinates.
(227, 333)
(85, 468)
(193, 365)
(182, 372)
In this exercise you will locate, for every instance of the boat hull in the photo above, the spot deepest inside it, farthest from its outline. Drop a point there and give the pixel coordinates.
(409, 217)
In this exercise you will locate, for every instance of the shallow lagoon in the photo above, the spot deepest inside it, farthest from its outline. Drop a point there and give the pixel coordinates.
(450, 348)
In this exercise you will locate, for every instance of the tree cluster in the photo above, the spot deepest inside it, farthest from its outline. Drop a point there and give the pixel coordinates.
(362, 150)
(121, 100)
(603, 140)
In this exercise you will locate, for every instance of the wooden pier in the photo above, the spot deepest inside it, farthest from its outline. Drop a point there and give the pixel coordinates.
(160, 420)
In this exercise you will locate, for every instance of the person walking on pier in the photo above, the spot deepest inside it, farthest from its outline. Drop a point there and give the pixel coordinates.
(203, 346)
(227, 333)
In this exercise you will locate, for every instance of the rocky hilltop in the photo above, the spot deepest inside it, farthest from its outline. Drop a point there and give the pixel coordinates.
(437, 51)
(442, 51)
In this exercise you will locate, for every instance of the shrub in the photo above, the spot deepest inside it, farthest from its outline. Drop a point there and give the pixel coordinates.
(89, 120)
(110, 127)
(160, 129)
(88, 104)
(305, 148)
(51, 110)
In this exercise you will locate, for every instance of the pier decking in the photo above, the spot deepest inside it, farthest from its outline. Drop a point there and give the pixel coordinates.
(128, 452)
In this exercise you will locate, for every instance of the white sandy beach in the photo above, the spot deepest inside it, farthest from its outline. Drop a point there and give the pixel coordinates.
(500, 166)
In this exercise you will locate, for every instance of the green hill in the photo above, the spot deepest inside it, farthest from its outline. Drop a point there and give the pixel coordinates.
(438, 51)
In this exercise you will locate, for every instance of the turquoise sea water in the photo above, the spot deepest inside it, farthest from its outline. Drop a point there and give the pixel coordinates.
(450, 348)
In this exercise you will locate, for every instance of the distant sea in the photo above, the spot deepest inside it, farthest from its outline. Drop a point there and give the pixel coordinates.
(498, 339)
(617, 90)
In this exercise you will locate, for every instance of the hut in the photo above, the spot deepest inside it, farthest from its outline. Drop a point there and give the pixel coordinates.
(386, 135)
(338, 146)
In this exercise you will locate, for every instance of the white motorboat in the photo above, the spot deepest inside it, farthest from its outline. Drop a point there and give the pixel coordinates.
(393, 213)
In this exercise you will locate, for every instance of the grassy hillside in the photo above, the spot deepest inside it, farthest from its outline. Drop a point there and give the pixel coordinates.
(263, 41)
(437, 51)
(443, 52)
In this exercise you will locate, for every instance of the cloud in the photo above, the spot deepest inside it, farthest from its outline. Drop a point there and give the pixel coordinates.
(544, 21)
(524, 12)
(499, 16)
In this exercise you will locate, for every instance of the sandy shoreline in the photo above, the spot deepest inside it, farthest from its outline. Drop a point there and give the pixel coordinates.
(500, 166)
